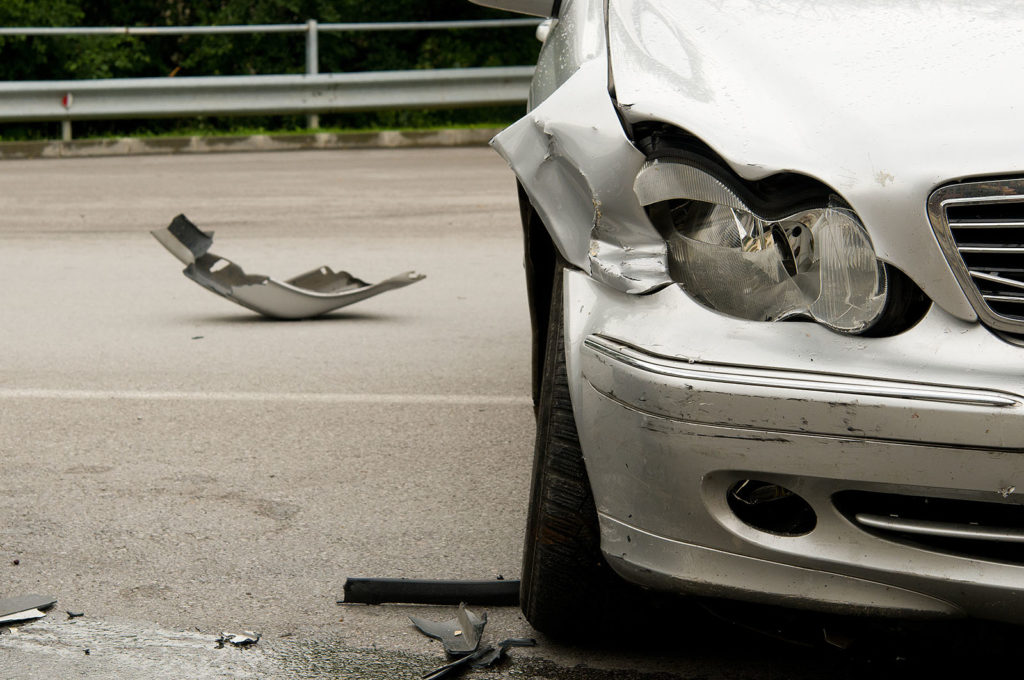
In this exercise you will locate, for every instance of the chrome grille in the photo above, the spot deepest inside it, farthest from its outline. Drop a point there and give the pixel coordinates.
(980, 226)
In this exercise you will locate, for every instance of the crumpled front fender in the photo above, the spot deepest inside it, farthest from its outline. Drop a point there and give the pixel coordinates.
(577, 166)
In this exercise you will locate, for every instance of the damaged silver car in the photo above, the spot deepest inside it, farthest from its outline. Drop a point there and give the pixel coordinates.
(775, 254)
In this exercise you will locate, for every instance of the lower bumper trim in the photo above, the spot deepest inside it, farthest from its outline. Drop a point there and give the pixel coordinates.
(668, 564)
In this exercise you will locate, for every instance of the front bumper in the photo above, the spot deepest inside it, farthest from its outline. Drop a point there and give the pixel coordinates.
(675, 404)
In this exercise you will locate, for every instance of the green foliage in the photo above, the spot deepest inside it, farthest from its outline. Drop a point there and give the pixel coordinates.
(24, 57)
(82, 57)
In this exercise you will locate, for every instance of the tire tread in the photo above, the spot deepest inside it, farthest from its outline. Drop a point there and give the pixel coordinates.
(567, 587)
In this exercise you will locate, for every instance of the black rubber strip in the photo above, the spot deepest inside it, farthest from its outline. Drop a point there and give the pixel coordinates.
(425, 591)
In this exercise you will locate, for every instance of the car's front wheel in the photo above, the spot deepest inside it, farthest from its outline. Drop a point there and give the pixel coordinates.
(567, 587)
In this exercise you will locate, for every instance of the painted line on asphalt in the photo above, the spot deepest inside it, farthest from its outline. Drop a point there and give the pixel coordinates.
(298, 397)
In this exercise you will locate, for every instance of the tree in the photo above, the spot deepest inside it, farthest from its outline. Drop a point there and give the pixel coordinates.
(82, 57)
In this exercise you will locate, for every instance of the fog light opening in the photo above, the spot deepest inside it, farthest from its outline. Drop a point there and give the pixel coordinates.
(771, 508)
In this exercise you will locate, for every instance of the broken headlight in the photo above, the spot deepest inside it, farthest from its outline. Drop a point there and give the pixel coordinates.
(815, 261)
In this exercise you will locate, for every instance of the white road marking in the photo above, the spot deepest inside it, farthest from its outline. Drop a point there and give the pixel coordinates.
(299, 397)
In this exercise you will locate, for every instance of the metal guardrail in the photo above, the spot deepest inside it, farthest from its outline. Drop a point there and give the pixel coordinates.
(259, 95)
(312, 24)
(312, 93)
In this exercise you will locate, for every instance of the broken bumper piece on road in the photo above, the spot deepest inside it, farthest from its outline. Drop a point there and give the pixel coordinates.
(307, 295)
(23, 609)
(461, 638)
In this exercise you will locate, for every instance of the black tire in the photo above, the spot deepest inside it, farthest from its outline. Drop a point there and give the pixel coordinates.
(567, 588)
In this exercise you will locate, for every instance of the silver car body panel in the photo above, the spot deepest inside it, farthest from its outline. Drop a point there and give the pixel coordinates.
(570, 154)
(669, 422)
(883, 102)
(307, 295)
(575, 38)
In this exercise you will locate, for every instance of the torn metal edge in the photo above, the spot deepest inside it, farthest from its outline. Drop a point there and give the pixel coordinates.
(14, 605)
(460, 636)
(22, 616)
(570, 154)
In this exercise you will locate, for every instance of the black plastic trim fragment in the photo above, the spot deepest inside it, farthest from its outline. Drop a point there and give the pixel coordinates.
(428, 591)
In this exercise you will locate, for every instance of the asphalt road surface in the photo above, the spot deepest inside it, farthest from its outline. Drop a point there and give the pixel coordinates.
(175, 466)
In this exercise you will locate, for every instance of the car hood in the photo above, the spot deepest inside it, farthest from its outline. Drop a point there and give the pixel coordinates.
(881, 101)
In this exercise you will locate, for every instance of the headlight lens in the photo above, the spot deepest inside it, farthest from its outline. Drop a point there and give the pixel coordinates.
(816, 262)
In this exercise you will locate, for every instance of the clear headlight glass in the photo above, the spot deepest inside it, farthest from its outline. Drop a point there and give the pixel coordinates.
(816, 263)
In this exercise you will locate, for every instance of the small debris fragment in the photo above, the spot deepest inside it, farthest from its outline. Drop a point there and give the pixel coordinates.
(485, 657)
(453, 667)
(1006, 491)
(243, 639)
(489, 658)
(74, 615)
(197, 337)
(15, 562)
(460, 636)
(86, 650)
(461, 639)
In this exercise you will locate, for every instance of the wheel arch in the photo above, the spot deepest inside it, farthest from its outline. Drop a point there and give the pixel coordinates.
(539, 259)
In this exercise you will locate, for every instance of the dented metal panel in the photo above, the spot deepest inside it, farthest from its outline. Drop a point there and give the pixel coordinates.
(882, 111)
(577, 166)
(307, 295)
(670, 421)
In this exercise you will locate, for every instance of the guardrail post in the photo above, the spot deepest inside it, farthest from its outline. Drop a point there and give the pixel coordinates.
(65, 125)
(312, 64)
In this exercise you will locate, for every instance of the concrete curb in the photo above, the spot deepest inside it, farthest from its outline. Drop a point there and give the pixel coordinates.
(133, 146)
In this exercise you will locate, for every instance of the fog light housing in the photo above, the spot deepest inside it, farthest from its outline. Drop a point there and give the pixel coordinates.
(771, 508)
